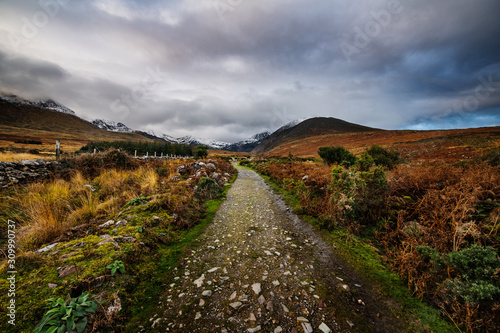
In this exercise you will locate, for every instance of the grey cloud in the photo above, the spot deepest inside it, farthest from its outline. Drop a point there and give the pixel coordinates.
(264, 63)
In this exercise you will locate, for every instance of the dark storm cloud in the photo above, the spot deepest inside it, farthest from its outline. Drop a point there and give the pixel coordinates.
(252, 65)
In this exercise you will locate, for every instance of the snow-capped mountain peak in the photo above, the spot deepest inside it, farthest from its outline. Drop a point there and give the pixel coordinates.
(202, 141)
(44, 104)
(112, 126)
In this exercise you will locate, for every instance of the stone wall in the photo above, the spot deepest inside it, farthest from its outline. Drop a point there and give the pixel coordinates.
(25, 172)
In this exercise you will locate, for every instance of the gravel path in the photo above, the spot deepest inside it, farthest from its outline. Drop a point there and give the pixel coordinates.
(260, 269)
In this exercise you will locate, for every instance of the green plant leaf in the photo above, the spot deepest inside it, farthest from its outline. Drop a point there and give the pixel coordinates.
(61, 329)
(70, 324)
(44, 321)
(92, 308)
(81, 324)
(52, 329)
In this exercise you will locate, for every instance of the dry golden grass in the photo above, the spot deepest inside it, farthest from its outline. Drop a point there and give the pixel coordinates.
(17, 157)
(46, 209)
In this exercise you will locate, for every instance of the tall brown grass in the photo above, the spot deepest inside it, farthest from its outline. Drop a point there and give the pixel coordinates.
(442, 208)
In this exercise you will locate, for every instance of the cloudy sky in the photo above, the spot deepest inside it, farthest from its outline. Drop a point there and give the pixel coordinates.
(228, 69)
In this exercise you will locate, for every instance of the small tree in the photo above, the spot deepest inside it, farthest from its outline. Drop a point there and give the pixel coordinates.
(201, 151)
(384, 157)
(337, 154)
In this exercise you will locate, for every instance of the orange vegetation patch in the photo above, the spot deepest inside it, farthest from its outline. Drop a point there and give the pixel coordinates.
(420, 146)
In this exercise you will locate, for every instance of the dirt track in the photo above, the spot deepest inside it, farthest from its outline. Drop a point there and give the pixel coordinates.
(259, 268)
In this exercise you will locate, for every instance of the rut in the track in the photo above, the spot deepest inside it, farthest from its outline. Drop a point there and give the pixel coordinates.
(259, 268)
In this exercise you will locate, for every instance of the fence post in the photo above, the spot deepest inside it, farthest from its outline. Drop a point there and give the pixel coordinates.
(58, 150)
(135, 154)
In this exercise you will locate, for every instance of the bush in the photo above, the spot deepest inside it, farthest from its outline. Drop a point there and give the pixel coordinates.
(117, 159)
(200, 151)
(208, 189)
(359, 195)
(384, 157)
(493, 158)
(337, 154)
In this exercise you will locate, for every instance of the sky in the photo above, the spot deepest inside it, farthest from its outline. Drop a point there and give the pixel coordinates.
(229, 69)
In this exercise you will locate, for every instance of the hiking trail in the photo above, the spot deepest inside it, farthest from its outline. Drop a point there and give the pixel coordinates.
(259, 268)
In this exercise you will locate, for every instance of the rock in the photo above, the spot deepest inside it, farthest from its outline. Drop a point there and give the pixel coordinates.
(121, 223)
(345, 287)
(268, 253)
(92, 188)
(123, 239)
(285, 308)
(52, 285)
(253, 330)
(307, 328)
(202, 302)
(252, 317)
(276, 283)
(269, 306)
(111, 241)
(306, 177)
(107, 224)
(47, 248)
(213, 269)
(261, 299)
(324, 328)
(302, 319)
(235, 305)
(350, 323)
(233, 296)
(198, 316)
(199, 282)
(66, 270)
(256, 288)
(278, 329)
(207, 293)
(81, 244)
(243, 298)
(106, 236)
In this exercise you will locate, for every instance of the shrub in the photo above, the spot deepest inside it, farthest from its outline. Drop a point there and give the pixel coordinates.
(117, 159)
(493, 158)
(200, 151)
(359, 195)
(337, 154)
(384, 157)
(208, 189)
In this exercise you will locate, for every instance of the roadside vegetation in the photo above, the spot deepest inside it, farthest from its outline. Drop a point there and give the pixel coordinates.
(117, 226)
(436, 226)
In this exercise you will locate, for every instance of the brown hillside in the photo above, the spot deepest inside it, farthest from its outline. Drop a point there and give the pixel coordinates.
(32, 123)
(308, 128)
(419, 146)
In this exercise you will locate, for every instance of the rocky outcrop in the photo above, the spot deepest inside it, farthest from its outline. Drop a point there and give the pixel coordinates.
(12, 173)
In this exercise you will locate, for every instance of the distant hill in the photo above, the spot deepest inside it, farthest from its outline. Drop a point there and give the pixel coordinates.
(37, 122)
(309, 128)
